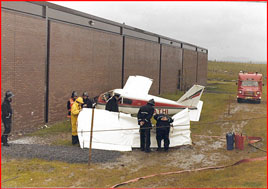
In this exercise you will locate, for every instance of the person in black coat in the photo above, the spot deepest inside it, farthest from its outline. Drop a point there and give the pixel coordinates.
(7, 116)
(162, 130)
(144, 120)
(112, 104)
(87, 102)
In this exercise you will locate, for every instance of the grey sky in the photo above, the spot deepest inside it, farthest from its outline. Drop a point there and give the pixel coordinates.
(234, 31)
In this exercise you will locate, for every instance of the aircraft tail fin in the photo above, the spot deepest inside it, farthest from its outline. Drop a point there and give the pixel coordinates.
(192, 96)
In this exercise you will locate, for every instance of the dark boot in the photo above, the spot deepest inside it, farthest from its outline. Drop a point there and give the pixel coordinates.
(4, 140)
(6, 144)
(166, 143)
(158, 139)
(77, 139)
(73, 140)
(142, 140)
(148, 150)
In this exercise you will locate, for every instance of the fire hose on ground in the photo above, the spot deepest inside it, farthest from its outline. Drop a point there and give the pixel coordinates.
(190, 170)
(251, 141)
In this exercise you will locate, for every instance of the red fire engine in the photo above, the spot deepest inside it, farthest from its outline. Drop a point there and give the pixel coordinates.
(249, 87)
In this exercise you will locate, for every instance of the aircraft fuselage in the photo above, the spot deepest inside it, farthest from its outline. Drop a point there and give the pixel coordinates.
(131, 105)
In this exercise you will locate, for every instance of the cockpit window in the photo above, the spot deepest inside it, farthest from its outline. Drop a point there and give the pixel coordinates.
(106, 96)
(126, 101)
(249, 83)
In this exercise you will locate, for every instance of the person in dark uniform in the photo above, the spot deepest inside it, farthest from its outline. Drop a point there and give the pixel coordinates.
(162, 130)
(87, 101)
(144, 120)
(112, 104)
(70, 103)
(7, 116)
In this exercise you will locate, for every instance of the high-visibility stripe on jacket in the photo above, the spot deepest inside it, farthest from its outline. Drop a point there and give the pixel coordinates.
(69, 107)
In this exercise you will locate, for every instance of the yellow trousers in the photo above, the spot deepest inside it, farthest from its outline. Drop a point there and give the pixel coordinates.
(74, 124)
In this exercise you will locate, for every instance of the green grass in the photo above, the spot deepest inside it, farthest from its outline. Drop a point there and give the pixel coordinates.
(221, 87)
(40, 173)
(228, 71)
(54, 129)
(231, 177)
(63, 142)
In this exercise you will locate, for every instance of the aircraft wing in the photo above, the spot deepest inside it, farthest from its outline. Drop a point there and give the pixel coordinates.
(120, 132)
(137, 86)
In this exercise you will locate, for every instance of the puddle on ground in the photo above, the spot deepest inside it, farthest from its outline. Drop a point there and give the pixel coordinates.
(217, 144)
(26, 140)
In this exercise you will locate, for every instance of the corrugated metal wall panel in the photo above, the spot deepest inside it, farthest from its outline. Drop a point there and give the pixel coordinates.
(171, 66)
(142, 58)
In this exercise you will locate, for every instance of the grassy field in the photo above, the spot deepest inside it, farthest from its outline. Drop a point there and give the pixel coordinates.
(228, 71)
(219, 105)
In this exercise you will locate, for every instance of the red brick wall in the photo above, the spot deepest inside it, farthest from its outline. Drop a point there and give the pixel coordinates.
(81, 59)
(23, 67)
(202, 68)
(142, 58)
(189, 68)
(171, 63)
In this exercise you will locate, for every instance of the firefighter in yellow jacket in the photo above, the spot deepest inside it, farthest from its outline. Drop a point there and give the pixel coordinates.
(76, 108)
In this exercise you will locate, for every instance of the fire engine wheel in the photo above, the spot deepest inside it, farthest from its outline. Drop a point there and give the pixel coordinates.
(239, 100)
(258, 101)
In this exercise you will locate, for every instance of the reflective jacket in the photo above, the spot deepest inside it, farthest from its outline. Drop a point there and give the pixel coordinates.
(162, 124)
(69, 106)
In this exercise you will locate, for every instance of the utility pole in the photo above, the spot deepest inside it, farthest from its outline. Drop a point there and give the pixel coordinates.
(91, 134)
(229, 106)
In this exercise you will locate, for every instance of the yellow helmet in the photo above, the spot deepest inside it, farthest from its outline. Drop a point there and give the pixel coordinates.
(80, 100)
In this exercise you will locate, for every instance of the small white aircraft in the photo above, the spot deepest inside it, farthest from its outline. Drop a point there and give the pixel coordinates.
(135, 94)
(122, 130)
